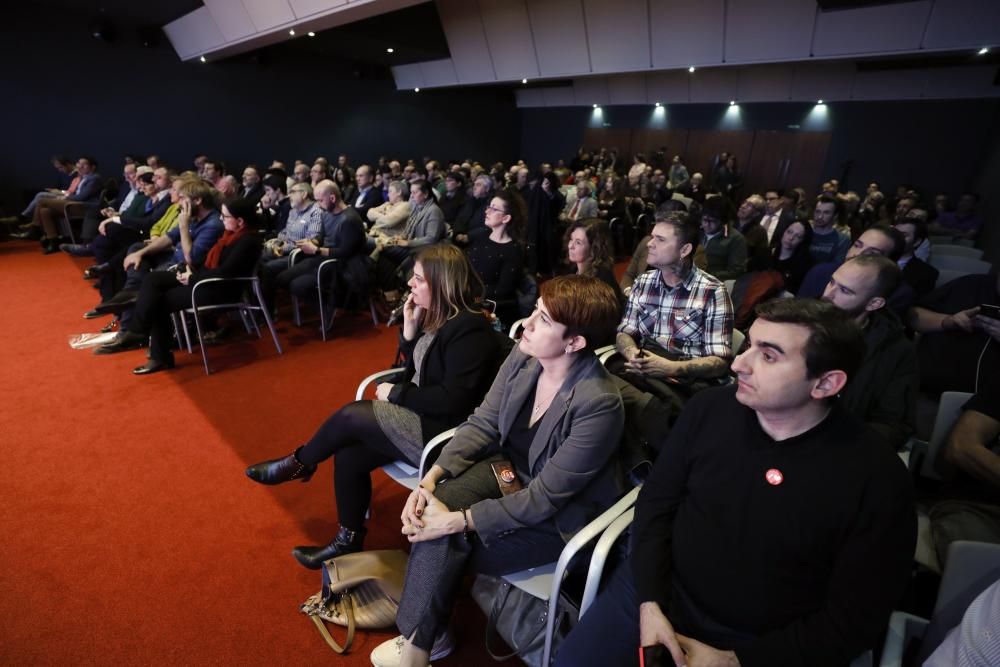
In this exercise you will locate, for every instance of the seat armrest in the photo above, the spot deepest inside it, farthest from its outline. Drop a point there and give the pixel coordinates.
(382, 376)
(903, 628)
(437, 442)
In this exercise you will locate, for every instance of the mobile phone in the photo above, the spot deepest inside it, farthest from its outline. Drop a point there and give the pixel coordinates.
(990, 311)
(656, 655)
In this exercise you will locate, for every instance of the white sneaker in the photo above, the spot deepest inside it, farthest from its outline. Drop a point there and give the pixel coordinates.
(389, 653)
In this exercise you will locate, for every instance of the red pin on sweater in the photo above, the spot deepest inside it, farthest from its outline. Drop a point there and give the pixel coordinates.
(774, 477)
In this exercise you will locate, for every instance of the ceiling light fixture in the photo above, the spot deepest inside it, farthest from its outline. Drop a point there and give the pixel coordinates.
(732, 103)
(819, 101)
(311, 33)
(390, 50)
(691, 69)
(983, 51)
(416, 90)
(524, 81)
(658, 105)
(202, 59)
(292, 32)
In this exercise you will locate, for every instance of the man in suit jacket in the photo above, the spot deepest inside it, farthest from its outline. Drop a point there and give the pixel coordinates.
(776, 218)
(917, 273)
(693, 188)
(87, 192)
(748, 222)
(583, 207)
(368, 196)
(252, 188)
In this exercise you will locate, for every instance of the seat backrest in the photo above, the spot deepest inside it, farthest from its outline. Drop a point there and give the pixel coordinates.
(948, 250)
(945, 276)
(956, 263)
(738, 339)
(949, 409)
(970, 568)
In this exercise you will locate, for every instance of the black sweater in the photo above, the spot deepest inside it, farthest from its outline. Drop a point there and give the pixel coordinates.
(807, 570)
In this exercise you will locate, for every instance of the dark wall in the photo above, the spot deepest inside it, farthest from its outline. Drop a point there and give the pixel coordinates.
(69, 93)
(934, 144)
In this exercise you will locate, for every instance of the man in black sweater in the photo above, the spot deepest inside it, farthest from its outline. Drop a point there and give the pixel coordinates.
(772, 530)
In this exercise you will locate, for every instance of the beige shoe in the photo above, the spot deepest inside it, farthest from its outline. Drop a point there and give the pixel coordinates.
(389, 653)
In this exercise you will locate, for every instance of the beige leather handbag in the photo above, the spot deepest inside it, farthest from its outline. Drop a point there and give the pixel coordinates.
(360, 590)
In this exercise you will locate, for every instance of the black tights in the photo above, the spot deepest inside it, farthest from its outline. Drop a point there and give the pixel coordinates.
(354, 436)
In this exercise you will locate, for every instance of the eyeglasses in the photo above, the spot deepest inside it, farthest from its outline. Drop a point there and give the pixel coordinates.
(496, 210)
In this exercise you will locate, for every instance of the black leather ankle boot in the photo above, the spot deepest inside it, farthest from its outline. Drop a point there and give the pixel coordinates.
(347, 541)
(280, 470)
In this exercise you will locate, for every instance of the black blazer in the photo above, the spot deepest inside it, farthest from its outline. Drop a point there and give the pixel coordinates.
(456, 373)
(920, 275)
(372, 199)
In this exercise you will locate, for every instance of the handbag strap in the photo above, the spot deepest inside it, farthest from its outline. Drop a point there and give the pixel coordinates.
(491, 624)
(321, 626)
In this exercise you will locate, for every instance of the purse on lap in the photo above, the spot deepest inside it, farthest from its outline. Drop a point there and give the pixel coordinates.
(360, 590)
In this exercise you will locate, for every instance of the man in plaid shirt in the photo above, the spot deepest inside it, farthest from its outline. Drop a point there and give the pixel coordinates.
(678, 324)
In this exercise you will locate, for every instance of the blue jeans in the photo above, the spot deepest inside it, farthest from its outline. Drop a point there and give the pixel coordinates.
(608, 634)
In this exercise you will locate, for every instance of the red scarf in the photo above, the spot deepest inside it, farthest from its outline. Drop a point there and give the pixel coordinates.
(228, 238)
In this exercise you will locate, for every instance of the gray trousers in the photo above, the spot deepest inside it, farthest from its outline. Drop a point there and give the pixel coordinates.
(435, 569)
(953, 520)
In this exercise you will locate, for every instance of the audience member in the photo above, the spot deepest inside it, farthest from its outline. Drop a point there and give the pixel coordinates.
(452, 355)
(252, 188)
(954, 349)
(773, 529)
(883, 393)
(676, 334)
(43, 223)
(275, 205)
(692, 188)
(728, 179)
(545, 204)
(828, 244)
(588, 253)
(389, 219)
(918, 274)
(453, 199)
(963, 222)
(553, 420)
(498, 259)
(678, 173)
(611, 201)
(367, 196)
(722, 250)
(791, 257)
(424, 227)
(471, 221)
(748, 223)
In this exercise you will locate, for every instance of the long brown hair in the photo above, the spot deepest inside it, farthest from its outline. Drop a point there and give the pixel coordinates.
(600, 244)
(454, 285)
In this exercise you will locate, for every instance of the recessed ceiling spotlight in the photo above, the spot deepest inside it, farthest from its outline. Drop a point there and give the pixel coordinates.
(819, 101)
(595, 106)
(416, 90)
(983, 51)
(311, 33)
(292, 32)
(524, 81)
(658, 105)
(202, 59)
(691, 69)
(732, 103)
(390, 50)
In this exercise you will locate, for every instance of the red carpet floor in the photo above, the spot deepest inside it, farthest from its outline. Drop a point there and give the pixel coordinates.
(130, 533)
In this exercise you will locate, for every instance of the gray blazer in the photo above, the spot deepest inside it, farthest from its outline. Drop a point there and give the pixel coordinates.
(573, 451)
(588, 209)
(424, 226)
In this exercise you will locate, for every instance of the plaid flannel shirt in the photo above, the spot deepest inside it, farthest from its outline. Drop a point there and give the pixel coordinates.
(692, 320)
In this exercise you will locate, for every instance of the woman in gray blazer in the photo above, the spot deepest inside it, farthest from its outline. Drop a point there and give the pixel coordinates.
(551, 423)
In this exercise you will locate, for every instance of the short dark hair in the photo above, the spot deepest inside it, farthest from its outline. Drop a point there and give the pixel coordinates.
(245, 209)
(684, 226)
(146, 177)
(92, 161)
(836, 341)
(887, 276)
(719, 208)
(276, 182)
(423, 186)
(778, 191)
(838, 206)
(894, 235)
(219, 165)
(919, 228)
(586, 306)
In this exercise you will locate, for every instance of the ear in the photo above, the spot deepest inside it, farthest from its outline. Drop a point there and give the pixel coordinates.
(686, 250)
(875, 303)
(576, 343)
(828, 384)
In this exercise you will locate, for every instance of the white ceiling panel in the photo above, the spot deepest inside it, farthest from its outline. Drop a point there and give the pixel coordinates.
(763, 30)
(715, 85)
(591, 90)
(764, 83)
(618, 35)
(232, 18)
(560, 37)
(627, 89)
(959, 23)
(463, 28)
(822, 81)
(408, 76)
(194, 33)
(438, 72)
(889, 85)
(668, 87)
(563, 96)
(898, 27)
(686, 33)
(508, 33)
(304, 8)
(267, 14)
